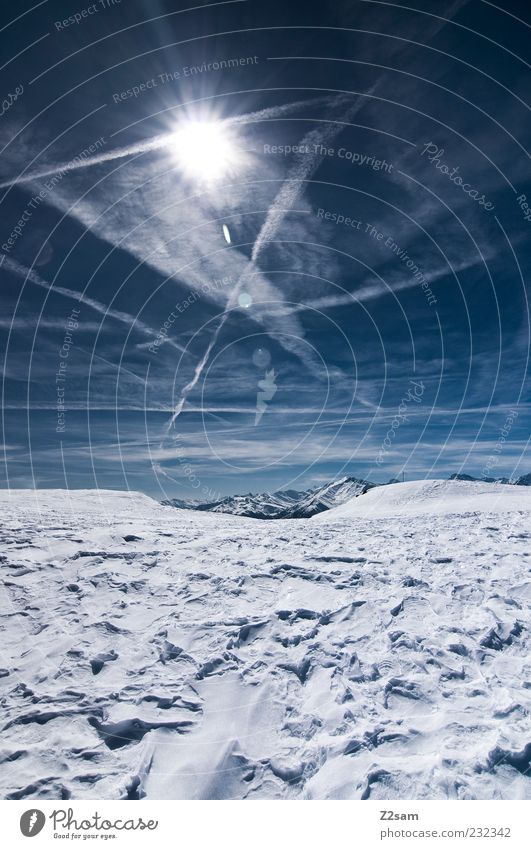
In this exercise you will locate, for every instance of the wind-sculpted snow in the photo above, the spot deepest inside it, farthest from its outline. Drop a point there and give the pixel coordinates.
(380, 650)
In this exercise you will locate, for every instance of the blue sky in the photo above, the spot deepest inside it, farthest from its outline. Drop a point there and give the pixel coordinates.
(370, 283)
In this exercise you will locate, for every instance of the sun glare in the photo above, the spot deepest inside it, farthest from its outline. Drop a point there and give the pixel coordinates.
(205, 150)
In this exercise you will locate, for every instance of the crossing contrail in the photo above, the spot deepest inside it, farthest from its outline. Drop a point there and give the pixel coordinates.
(302, 170)
(158, 142)
(304, 166)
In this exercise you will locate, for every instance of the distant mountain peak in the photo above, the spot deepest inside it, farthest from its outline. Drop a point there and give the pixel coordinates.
(461, 476)
(283, 504)
(292, 504)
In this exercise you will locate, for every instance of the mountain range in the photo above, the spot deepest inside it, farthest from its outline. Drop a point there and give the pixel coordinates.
(284, 504)
(292, 504)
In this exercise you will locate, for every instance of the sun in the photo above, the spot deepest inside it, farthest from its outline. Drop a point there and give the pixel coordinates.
(205, 150)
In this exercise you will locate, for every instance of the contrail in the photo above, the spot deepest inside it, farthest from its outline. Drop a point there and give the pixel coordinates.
(154, 143)
(302, 170)
(78, 162)
(123, 317)
(305, 165)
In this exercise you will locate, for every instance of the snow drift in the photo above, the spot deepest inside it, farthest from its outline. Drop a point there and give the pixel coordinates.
(434, 496)
(380, 650)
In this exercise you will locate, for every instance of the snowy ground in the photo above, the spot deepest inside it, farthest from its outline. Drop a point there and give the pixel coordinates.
(377, 651)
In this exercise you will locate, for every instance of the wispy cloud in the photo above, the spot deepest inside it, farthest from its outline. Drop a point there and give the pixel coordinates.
(31, 276)
(157, 142)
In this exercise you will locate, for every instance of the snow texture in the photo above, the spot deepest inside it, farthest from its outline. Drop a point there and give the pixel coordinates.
(379, 650)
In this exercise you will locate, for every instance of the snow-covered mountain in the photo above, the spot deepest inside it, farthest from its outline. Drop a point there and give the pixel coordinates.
(291, 504)
(257, 506)
(432, 497)
(265, 505)
(328, 496)
(285, 504)
(523, 480)
(460, 476)
(379, 650)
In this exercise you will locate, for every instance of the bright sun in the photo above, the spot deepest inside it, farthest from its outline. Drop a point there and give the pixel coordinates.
(205, 150)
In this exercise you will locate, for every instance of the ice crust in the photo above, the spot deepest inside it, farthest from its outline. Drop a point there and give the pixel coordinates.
(379, 650)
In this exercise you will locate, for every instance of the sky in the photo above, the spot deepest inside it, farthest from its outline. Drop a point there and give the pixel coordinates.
(251, 247)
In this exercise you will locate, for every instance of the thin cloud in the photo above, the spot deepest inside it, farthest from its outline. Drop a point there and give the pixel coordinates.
(158, 142)
(28, 274)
